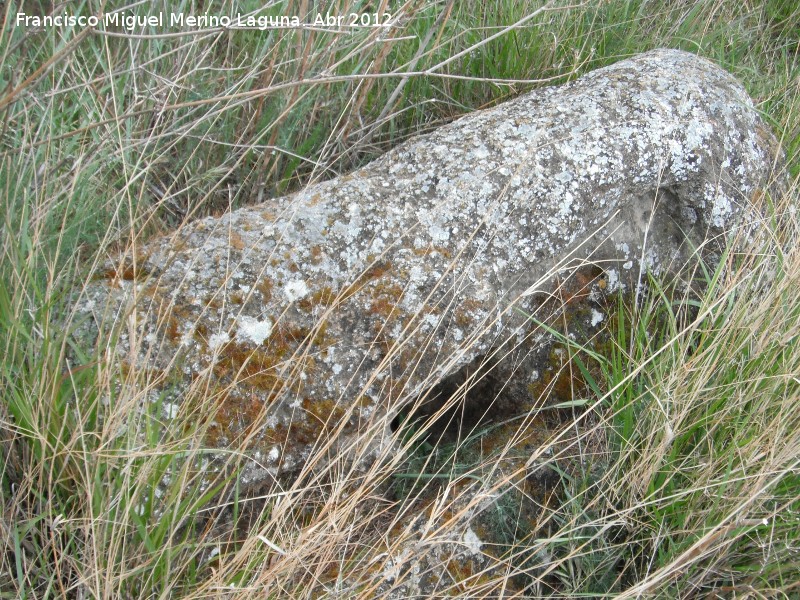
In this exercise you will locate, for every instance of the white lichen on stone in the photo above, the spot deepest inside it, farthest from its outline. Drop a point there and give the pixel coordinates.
(472, 542)
(252, 330)
(722, 209)
(218, 340)
(295, 290)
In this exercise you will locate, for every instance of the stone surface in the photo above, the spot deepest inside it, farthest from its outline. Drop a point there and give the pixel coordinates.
(311, 316)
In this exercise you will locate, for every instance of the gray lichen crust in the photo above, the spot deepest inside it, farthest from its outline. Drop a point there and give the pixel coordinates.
(315, 310)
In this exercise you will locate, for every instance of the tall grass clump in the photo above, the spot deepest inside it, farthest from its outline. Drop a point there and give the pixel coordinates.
(700, 491)
(674, 473)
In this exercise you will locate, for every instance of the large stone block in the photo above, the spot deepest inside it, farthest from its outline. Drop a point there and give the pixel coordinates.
(308, 316)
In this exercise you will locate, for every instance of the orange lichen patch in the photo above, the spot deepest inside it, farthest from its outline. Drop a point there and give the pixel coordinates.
(254, 367)
(128, 270)
(321, 417)
(565, 382)
(323, 296)
(375, 271)
(568, 383)
(173, 322)
(573, 290)
(239, 415)
(287, 338)
(320, 333)
(579, 284)
(173, 328)
(467, 573)
(236, 416)
(431, 249)
(179, 244)
(464, 313)
(561, 380)
(277, 435)
(325, 411)
(236, 241)
(265, 287)
(385, 298)
(529, 434)
(364, 402)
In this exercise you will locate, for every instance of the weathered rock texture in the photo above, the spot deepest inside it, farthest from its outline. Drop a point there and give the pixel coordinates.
(320, 308)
